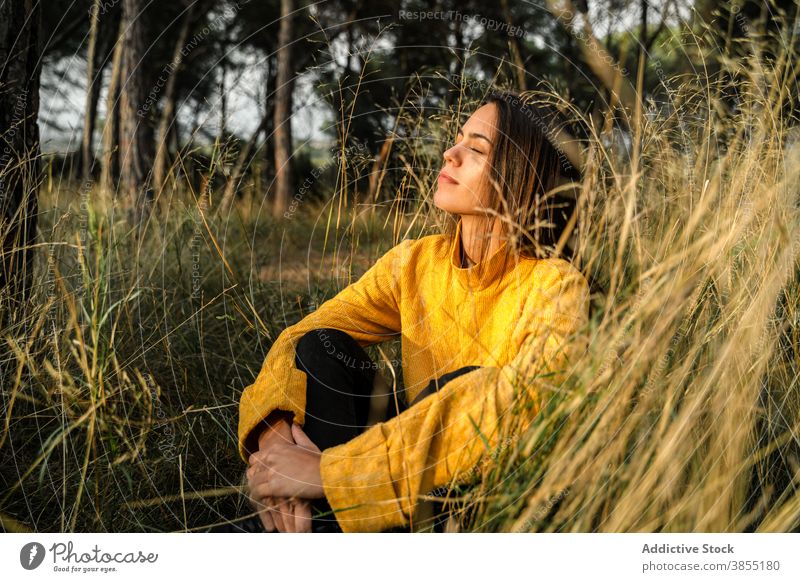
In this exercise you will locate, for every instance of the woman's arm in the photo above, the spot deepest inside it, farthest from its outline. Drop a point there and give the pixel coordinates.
(368, 309)
(372, 481)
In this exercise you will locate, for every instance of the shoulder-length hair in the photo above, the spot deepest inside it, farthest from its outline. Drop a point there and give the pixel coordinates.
(524, 166)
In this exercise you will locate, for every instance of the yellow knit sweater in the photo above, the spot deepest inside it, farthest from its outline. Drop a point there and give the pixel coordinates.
(513, 323)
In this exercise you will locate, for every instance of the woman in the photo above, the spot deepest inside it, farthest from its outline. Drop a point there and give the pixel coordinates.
(485, 317)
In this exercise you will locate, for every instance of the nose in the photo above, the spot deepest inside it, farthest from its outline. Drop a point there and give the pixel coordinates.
(452, 156)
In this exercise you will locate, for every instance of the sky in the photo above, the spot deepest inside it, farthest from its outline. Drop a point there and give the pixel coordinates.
(63, 96)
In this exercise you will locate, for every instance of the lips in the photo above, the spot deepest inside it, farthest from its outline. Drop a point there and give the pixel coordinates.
(444, 177)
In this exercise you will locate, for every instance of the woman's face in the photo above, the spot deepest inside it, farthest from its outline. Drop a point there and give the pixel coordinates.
(466, 163)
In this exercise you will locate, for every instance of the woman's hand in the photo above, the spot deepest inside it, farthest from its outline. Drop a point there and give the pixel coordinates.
(281, 513)
(286, 470)
(284, 515)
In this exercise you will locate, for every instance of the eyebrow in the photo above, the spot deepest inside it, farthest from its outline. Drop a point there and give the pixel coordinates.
(474, 134)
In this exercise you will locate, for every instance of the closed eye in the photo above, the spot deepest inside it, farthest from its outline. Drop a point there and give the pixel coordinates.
(477, 151)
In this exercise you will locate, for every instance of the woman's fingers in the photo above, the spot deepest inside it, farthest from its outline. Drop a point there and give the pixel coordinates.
(262, 506)
(277, 515)
(283, 514)
(302, 516)
(302, 439)
(260, 496)
(266, 483)
(287, 515)
(266, 520)
(280, 514)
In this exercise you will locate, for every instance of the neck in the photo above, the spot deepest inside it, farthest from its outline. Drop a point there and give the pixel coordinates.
(472, 227)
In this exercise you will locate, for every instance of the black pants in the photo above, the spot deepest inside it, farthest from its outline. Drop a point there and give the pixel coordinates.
(339, 396)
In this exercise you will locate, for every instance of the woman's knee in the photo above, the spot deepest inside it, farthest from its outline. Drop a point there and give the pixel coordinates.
(333, 357)
(322, 341)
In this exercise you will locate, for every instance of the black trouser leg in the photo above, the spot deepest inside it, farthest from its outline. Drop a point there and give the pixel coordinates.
(339, 381)
(339, 386)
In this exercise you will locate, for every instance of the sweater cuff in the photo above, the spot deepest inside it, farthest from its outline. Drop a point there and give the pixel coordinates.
(258, 400)
(358, 484)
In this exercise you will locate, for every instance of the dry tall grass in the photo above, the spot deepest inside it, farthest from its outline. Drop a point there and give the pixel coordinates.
(684, 413)
(120, 403)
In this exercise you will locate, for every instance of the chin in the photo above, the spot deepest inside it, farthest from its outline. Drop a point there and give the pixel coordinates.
(445, 201)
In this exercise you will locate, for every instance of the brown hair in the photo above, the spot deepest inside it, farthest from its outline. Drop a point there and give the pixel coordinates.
(524, 166)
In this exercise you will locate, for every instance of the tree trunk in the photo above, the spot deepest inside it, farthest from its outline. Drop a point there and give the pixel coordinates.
(283, 112)
(379, 169)
(515, 48)
(168, 110)
(223, 97)
(643, 32)
(608, 74)
(175, 134)
(132, 131)
(19, 154)
(268, 171)
(265, 126)
(238, 168)
(456, 66)
(92, 93)
(110, 171)
(102, 35)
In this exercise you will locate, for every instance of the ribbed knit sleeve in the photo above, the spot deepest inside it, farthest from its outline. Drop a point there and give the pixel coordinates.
(368, 309)
(373, 481)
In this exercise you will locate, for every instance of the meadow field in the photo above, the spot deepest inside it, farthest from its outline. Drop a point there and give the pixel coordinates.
(121, 385)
